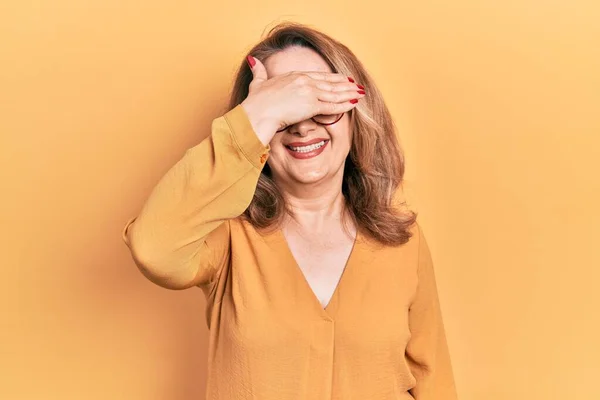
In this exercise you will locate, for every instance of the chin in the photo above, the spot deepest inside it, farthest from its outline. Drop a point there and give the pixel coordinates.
(310, 176)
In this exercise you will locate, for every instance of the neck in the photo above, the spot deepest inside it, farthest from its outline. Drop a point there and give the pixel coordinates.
(315, 207)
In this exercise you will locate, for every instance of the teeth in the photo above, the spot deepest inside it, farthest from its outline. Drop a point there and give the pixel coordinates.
(306, 149)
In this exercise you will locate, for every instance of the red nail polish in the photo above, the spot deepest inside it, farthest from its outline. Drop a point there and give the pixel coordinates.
(361, 91)
(251, 61)
(354, 101)
(351, 80)
(360, 86)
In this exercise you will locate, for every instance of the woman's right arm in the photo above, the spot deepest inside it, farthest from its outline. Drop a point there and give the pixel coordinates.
(181, 236)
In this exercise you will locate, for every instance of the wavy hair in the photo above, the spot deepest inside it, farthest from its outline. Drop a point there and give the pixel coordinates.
(374, 168)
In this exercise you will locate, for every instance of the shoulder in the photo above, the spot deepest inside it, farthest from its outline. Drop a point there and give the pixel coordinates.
(416, 235)
(416, 247)
(405, 254)
(415, 230)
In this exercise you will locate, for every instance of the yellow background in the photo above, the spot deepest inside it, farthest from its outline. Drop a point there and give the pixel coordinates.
(497, 105)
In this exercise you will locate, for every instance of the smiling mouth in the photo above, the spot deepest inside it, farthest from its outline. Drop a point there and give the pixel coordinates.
(309, 148)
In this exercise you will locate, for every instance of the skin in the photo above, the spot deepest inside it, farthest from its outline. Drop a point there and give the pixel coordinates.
(312, 187)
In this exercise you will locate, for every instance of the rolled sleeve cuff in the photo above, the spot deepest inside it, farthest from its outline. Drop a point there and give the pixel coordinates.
(245, 138)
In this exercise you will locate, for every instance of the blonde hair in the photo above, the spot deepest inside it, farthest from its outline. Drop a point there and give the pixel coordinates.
(374, 168)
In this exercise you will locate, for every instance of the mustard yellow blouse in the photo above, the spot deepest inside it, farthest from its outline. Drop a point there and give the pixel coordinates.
(381, 336)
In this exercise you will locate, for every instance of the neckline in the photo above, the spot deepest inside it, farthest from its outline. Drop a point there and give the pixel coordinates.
(328, 311)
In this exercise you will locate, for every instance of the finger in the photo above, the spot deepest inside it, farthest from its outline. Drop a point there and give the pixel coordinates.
(259, 72)
(338, 97)
(335, 108)
(328, 76)
(337, 86)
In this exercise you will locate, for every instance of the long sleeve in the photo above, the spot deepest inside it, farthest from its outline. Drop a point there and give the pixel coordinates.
(427, 350)
(181, 237)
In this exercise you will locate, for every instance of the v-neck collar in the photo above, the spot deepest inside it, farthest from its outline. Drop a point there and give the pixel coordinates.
(353, 262)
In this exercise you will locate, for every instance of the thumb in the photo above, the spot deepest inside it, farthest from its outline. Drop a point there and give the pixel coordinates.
(258, 69)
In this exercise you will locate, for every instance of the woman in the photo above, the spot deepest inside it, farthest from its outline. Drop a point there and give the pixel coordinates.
(318, 285)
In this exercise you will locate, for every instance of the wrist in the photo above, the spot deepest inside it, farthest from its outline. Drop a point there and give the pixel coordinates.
(264, 127)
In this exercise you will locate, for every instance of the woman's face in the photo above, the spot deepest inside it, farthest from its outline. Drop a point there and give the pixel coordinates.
(287, 169)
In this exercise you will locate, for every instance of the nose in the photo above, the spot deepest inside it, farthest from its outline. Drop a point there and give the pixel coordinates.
(302, 128)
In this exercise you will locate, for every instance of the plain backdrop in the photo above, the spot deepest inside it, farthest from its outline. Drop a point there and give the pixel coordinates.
(497, 106)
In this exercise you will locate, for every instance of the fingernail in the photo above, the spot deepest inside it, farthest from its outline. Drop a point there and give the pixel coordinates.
(251, 61)
(354, 101)
(360, 86)
(361, 91)
(351, 80)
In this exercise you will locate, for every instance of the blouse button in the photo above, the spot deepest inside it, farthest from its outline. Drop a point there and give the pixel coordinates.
(263, 158)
